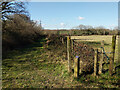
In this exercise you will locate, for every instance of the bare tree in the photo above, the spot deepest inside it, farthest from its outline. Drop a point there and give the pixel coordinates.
(81, 27)
(100, 27)
(115, 28)
(12, 7)
(89, 27)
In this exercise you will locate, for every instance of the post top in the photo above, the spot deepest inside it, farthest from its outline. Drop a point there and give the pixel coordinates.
(77, 56)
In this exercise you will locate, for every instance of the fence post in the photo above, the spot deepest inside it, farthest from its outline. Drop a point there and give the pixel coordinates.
(72, 42)
(102, 43)
(118, 48)
(76, 67)
(95, 61)
(102, 57)
(80, 66)
(111, 66)
(68, 53)
(62, 40)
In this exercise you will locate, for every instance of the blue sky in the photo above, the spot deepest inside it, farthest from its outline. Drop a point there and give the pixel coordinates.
(59, 15)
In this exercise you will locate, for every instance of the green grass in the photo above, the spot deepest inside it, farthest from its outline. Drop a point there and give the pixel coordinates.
(104, 80)
(33, 66)
(93, 44)
(38, 67)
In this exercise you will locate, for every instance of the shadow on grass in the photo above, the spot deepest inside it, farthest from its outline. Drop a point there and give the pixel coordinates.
(117, 70)
(100, 81)
(24, 49)
(105, 71)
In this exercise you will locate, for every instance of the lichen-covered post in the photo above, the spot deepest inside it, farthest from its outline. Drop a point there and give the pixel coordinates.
(68, 53)
(111, 66)
(102, 57)
(76, 66)
(95, 61)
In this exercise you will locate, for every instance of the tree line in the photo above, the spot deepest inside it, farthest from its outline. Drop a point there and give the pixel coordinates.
(17, 27)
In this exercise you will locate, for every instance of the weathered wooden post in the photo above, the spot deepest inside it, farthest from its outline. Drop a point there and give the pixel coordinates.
(111, 66)
(80, 65)
(95, 61)
(72, 42)
(72, 56)
(69, 53)
(102, 43)
(62, 40)
(102, 57)
(118, 47)
(47, 42)
(76, 66)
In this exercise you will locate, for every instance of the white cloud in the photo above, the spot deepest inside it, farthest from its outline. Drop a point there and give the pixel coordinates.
(81, 18)
(62, 24)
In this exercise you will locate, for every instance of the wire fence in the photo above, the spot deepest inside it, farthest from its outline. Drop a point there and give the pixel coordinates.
(86, 55)
(89, 58)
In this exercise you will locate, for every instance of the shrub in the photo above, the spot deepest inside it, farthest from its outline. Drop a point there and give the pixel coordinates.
(19, 31)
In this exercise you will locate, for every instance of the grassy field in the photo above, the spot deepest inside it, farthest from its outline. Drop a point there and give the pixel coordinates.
(95, 42)
(38, 66)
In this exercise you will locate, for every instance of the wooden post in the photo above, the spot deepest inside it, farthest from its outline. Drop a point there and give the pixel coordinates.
(111, 66)
(72, 56)
(76, 67)
(47, 41)
(102, 58)
(68, 54)
(62, 40)
(104, 32)
(72, 42)
(102, 43)
(118, 48)
(95, 61)
(80, 66)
